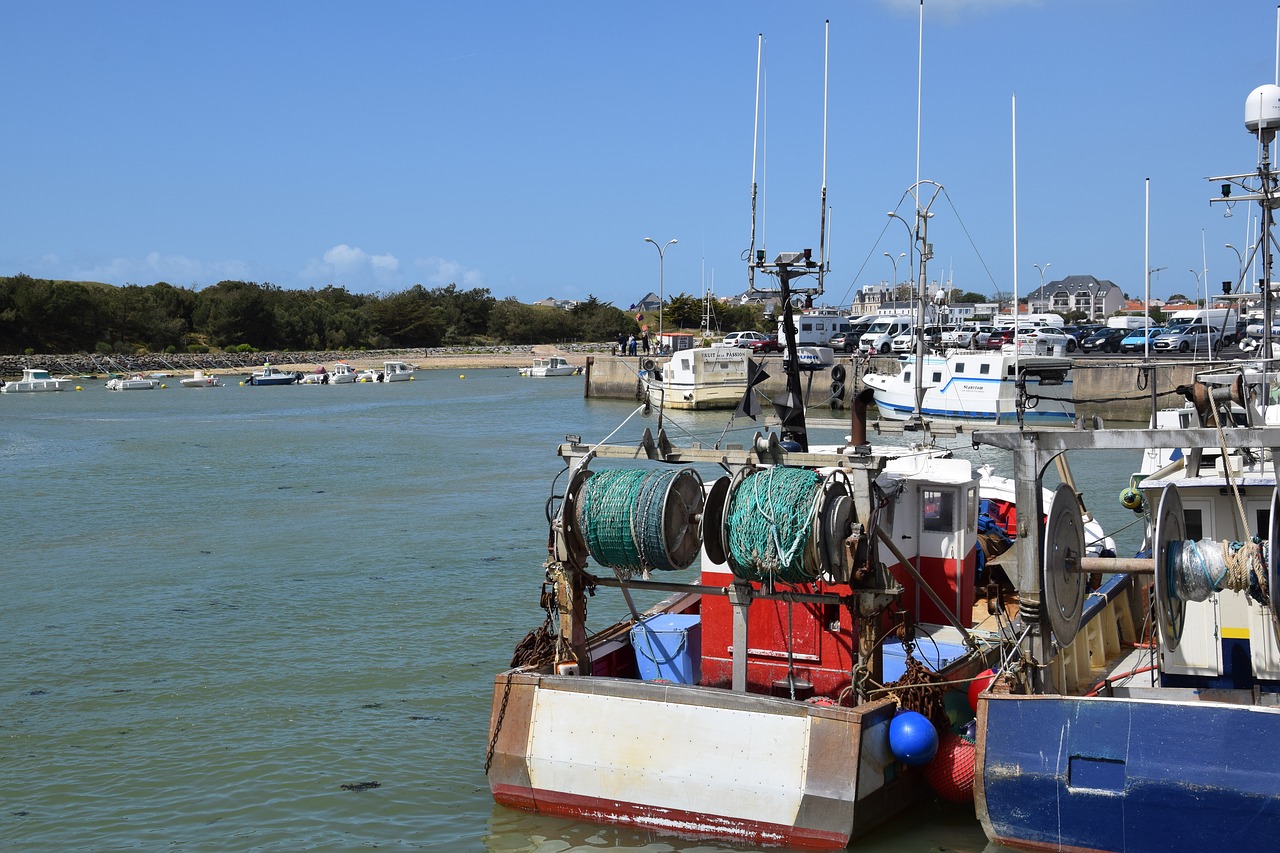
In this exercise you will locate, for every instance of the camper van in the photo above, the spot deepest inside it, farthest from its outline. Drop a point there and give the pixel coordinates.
(815, 328)
(879, 338)
(1006, 321)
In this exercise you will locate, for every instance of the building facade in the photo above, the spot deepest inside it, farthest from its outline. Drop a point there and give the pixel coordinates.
(1096, 299)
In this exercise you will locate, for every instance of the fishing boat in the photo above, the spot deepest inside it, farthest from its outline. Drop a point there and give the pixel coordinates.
(555, 365)
(968, 385)
(268, 375)
(699, 378)
(36, 379)
(1101, 733)
(200, 379)
(136, 382)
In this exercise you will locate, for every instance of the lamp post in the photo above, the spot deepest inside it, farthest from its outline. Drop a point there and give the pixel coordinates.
(911, 241)
(1042, 272)
(894, 261)
(1239, 264)
(662, 251)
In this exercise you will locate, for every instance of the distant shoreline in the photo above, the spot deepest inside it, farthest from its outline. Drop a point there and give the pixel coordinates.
(438, 358)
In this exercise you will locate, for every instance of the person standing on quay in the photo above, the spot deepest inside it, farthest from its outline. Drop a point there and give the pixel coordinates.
(644, 343)
(631, 345)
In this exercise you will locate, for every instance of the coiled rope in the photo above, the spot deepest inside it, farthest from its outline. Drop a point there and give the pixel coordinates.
(770, 521)
(621, 515)
(1199, 569)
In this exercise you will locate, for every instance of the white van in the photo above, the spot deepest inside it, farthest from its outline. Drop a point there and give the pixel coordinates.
(1129, 321)
(1222, 319)
(879, 338)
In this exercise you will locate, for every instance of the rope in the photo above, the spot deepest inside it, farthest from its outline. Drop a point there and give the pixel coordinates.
(770, 521)
(1199, 569)
(622, 519)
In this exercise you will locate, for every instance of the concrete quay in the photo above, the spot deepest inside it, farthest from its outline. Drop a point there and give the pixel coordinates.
(1114, 389)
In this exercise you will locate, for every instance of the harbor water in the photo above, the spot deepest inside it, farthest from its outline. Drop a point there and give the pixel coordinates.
(268, 618)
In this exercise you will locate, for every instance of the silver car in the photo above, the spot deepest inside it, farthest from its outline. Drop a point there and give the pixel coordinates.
(1191, 337)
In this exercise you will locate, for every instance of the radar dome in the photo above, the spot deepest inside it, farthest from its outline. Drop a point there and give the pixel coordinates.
(1262, 109)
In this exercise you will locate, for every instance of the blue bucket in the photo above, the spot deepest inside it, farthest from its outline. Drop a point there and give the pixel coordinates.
(669, 646)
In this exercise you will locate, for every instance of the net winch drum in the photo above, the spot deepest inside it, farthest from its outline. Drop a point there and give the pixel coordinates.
(830, 512)
(1171, 611)
(654, 523)
(1064, 587)
(1169, 537)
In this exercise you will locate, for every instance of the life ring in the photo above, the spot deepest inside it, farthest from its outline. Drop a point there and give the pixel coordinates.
(837, 373)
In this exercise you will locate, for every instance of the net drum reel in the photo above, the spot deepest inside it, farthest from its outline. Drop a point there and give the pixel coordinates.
(778, 523)
(1184, 570)
(631, 520)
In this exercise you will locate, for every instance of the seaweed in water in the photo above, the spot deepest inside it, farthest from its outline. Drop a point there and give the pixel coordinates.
(361, 786)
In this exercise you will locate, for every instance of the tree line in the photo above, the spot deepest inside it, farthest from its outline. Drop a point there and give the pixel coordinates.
(41, 315)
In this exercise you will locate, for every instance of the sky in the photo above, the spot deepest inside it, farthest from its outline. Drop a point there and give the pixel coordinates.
(529, 148)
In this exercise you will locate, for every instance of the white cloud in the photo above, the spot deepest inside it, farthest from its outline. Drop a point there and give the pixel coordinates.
(175, 269)
(438, 272)
(355, 269)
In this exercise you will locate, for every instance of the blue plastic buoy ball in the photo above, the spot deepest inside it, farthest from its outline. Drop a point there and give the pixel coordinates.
(790, 445)
(912, 738)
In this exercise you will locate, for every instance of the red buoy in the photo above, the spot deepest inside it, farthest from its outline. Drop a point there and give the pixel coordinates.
(950, 774)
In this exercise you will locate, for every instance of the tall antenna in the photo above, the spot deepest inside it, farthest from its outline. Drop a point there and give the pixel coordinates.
(755, 143)
(822, 225)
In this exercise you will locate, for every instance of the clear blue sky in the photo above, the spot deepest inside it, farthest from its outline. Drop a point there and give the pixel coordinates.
(529, 148)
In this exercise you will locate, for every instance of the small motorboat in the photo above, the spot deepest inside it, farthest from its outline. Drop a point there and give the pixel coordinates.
(136, 382)
(397, 371)
(200, 379)
(36, 379)
(268, 375)
(342, 374)
(556, 365)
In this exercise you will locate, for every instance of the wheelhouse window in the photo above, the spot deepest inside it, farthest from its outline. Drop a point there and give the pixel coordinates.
(938, 510)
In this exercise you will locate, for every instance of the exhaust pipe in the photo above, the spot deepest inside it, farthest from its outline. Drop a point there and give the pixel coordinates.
(858, 425)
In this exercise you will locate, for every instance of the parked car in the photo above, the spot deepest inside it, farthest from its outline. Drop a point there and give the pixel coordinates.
(741, 339)
(980, 335)
(957, 336)
(1045, 340)
(998, 338)
(764, 344)
(838, 341)
(1105, 339)
(1193, 336)
(1137, 339)
(1082, 331)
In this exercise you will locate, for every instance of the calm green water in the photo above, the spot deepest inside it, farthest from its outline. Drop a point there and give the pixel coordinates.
(220, 606)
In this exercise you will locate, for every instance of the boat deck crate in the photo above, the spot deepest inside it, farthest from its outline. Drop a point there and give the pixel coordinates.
(669, 646)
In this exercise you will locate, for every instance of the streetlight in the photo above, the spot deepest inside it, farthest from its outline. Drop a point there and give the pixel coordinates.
(1239, 264)
(894, 261)
(662, 251)
(1042, 272)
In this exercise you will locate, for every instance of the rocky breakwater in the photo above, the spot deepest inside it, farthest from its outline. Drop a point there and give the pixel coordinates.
(85, 364)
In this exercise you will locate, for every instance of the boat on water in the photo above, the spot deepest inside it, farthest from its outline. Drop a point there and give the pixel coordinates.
(135, 382)
(555, 365)
(969, 385)
(268, 375)
(397, 371)
(699, 378)
(200, 379)
(392, 371)
(342, 374)
(37, 379)
(1101, 732)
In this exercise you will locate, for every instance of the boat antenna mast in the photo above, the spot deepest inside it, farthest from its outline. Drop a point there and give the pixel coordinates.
(786, 260)
(1262, 119)
(755, 145)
